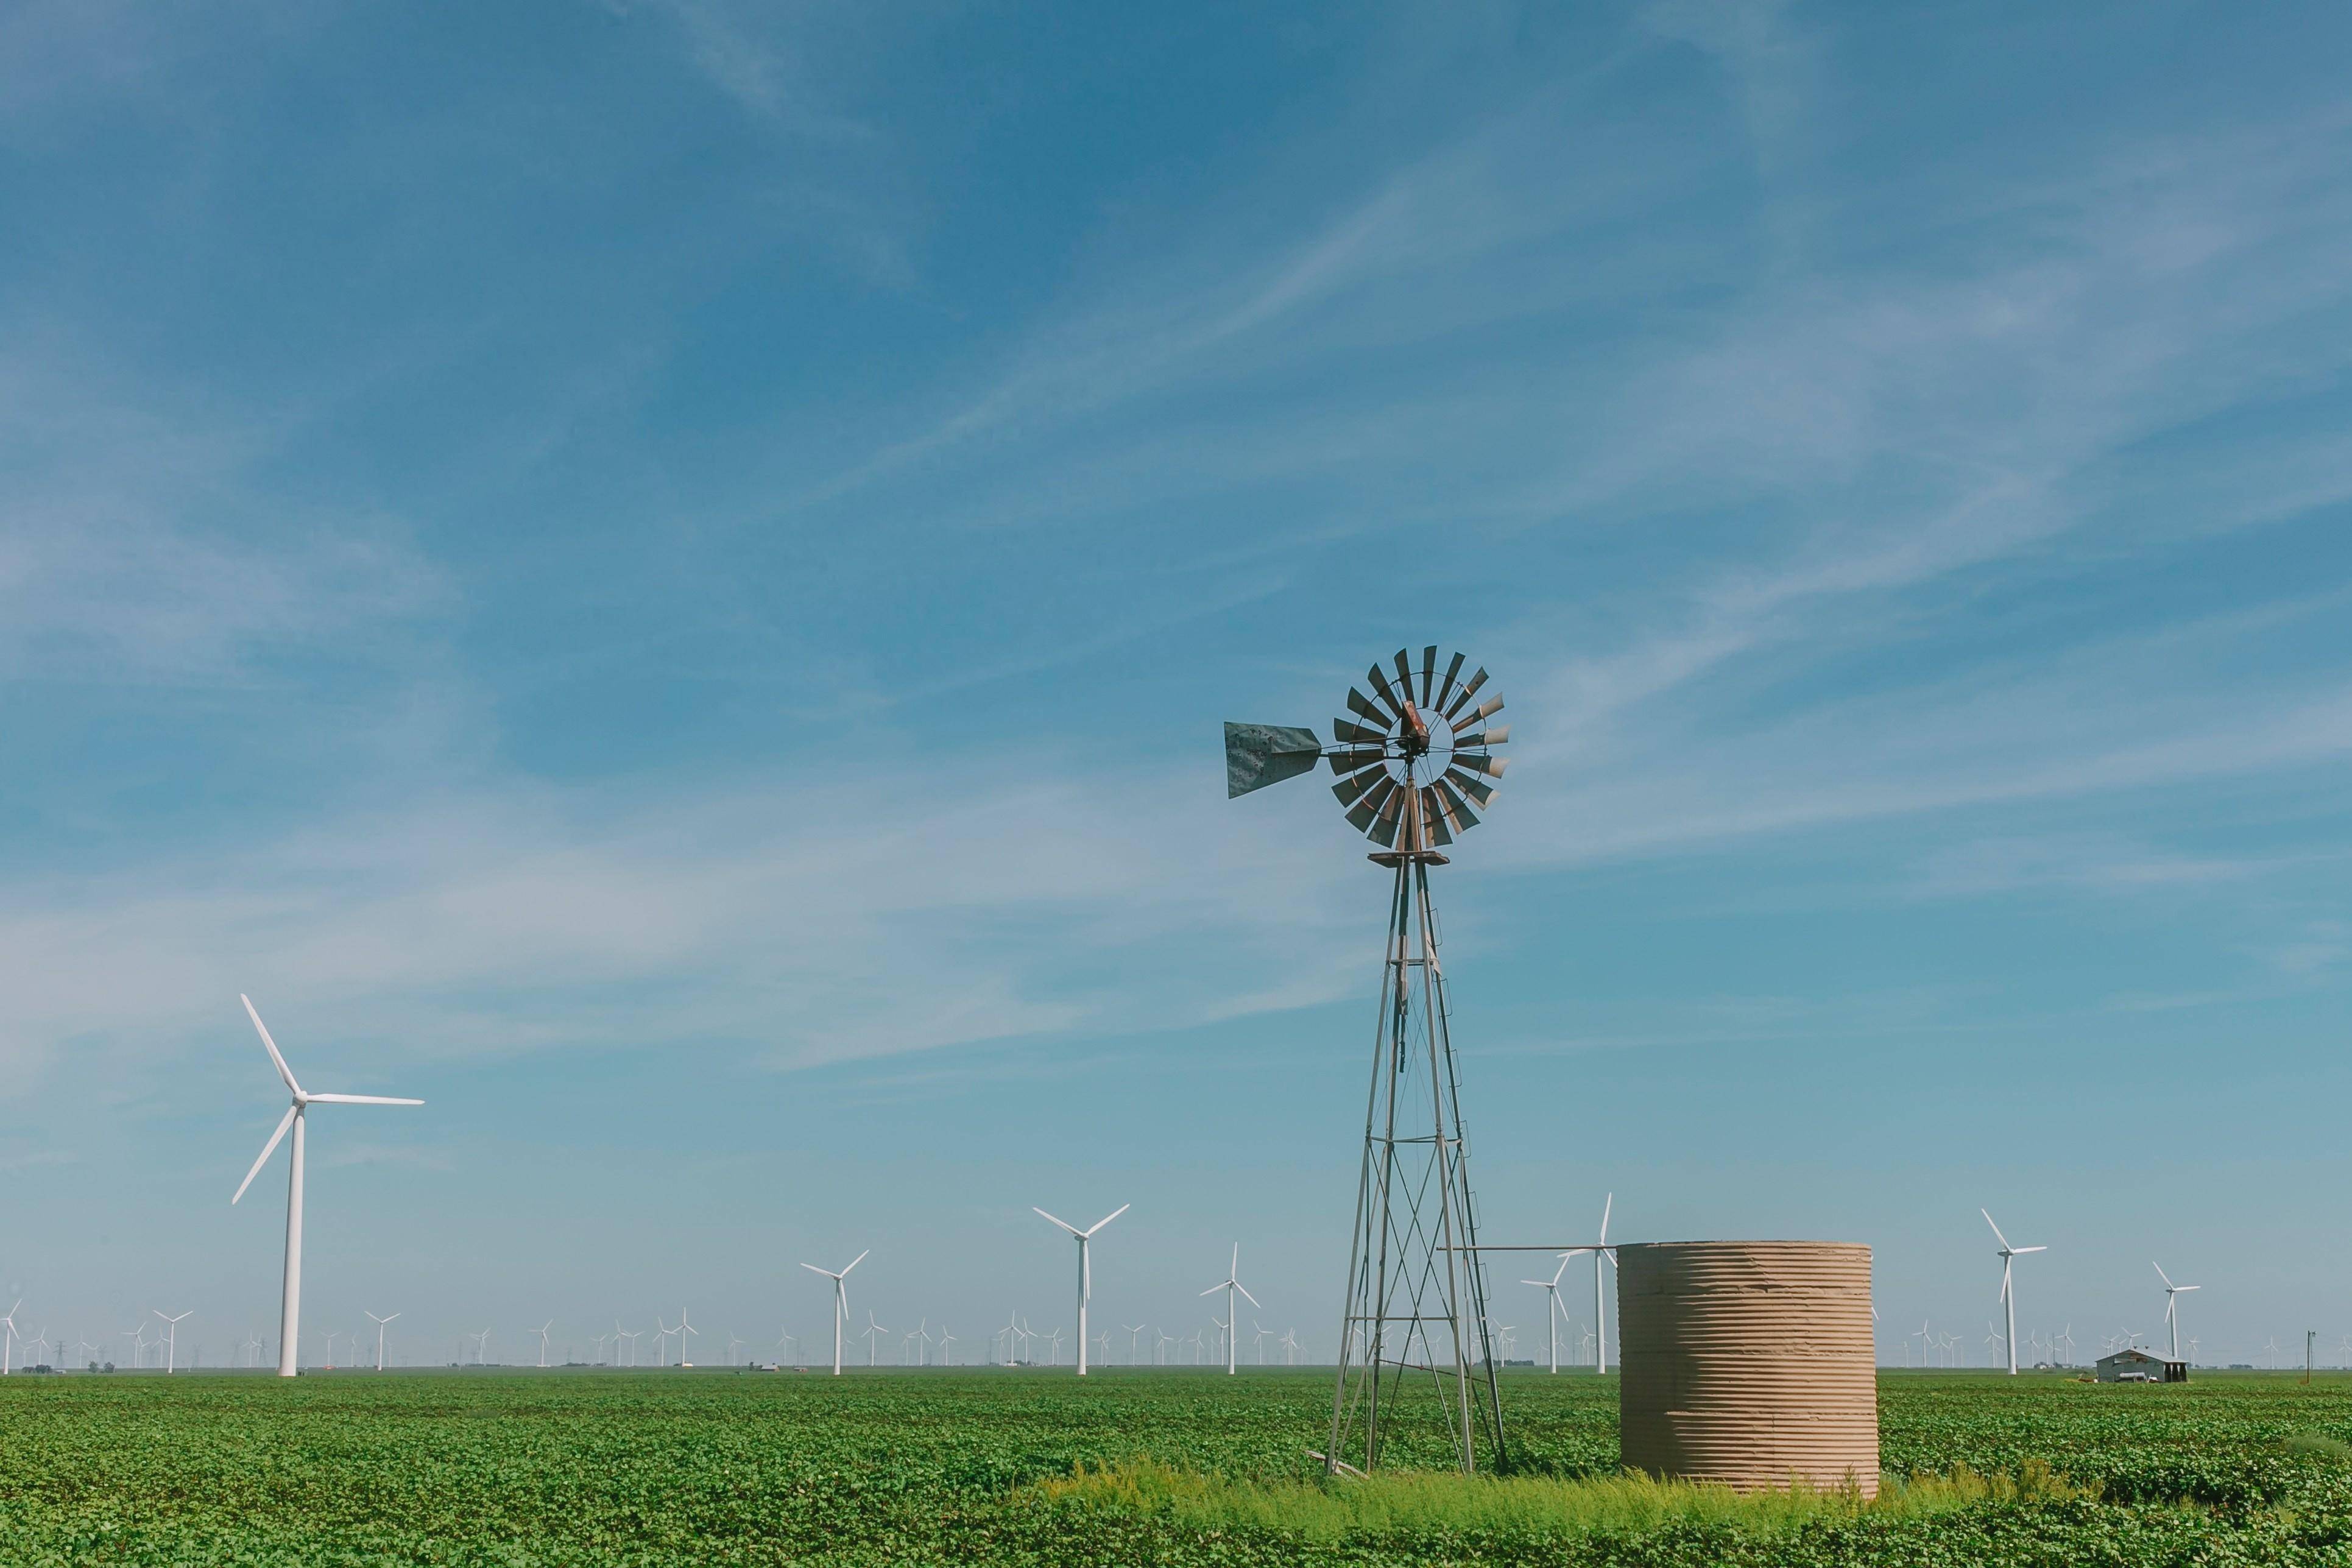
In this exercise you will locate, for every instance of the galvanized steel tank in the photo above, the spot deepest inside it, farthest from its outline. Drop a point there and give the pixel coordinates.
(1749, 1362)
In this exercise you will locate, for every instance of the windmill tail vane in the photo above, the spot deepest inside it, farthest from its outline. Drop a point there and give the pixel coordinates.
(1416, 762)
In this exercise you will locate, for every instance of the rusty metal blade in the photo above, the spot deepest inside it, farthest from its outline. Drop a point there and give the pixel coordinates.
(1493, 737)
(1379, 679)
(1358, 703)
(1432, 814)
(1428, 671)
(1405, 674)
(1462, 815)
(1349, 761)
(1481, 763)
(1469, 690)
(1357, 734)
(1446, 688)
(1476, 789)
(1348, 789)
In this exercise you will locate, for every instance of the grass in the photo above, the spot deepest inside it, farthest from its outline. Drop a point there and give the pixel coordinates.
(1429, 1501)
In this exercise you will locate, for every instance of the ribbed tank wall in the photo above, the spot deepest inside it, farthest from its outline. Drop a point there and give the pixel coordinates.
(1749, 1362)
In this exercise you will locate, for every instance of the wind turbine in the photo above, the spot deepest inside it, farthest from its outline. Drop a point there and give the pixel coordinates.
(1552, 1311)
(1229, 1284)
(946, 1338)
(873, 1332)
(541, 1332)
(1085, 1271)
(1132, 1331)
(2171, 1313)
(379, 1323)
(289, 1318)
(8, 1342)
(172, 1350)
(1600, 1296)
(734, 1343)
(2008, 1286)
(840, 1301)
(684, 1328)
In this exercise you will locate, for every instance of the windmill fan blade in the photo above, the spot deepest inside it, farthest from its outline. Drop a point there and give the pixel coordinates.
(1486, 710)
(1446, 687)
(1384, 828)
(1464, 817)
(1428, 671)
(1351, 762)
(1490, 765)
(1481, 793)
(1469, 690)
(1349, 788)
(267, 1150)
(1359, 703)
(1404, 675)
(1367, 810)
(1259, 754)
(1433, 813)
(1379, 679)
(1493, 737)
(1357, 734)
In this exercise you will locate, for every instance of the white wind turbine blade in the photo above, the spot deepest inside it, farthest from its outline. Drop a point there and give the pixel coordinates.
(1105, 1220)
(2020, 1251)
(1996, 1230)
(1066, 1225)
(267, 1150)
(283, 1070)
(362, 1100)
(826, 1272)
(1561, 1270)
(2184, 1290)
(2160, 1274)
(855, 1262)
(1214, 1289)
(1246, 1295)
(1606, 1204)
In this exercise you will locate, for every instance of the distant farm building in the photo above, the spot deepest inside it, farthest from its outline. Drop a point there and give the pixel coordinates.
(2136, 1365)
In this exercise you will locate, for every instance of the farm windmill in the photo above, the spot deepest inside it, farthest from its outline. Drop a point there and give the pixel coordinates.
(1415, 762)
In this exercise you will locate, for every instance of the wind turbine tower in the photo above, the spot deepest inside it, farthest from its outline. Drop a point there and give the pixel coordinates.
(379, 1323)
(1416, 762)
(1229, 1284)
(840, 1302)
(2008, 1285)
(289, 1315)
(1085, 1271)
(2171, 1306)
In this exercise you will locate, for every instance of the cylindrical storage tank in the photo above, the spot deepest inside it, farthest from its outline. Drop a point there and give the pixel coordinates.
(1749, 1362)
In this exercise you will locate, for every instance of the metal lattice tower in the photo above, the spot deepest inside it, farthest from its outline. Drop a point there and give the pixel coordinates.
(1416, 1378)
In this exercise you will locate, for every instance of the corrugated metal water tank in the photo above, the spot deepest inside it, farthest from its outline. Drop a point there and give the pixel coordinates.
(1749, 1362)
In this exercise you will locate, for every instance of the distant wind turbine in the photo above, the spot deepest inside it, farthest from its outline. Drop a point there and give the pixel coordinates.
(2008, 1285)
(2171, 1312)
(541, 1332)
(379, 1323)
(840, 1301)
(171, 1344)
(289, 1317)
(1229, 1284)
(1550, 1289)
(1085, 1271)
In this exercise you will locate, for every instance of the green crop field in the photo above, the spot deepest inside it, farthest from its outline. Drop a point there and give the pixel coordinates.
(1137, 1467)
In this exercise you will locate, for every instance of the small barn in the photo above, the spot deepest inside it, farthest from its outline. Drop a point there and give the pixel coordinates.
(2136, 1365)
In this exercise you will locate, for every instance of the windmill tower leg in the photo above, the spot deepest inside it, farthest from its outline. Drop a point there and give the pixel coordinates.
(1416, 1359)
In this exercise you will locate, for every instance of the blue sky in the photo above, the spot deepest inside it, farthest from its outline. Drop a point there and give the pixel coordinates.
(665, 576)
